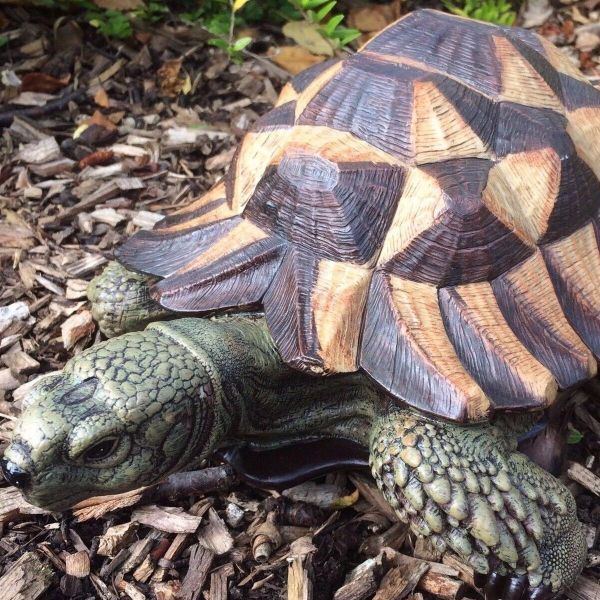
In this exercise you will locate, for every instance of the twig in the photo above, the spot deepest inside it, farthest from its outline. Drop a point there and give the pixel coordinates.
(7, 116)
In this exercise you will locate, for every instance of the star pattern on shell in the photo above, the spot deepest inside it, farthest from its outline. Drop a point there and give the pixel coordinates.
(426, 210)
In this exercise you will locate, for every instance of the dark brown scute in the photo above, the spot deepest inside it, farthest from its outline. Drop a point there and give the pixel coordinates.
(237, 279)
(578, 198)
(524, 128)
(301, 81)
(335, 211)
(478, 111)
(467, 243)
(370, 99)
(460, 48)
(157, 253)
(288, 310)
(517, 34)
(180, 218)
(541, 336)
(485, 361)
(395, 361)
(578, 94)
(280, 117)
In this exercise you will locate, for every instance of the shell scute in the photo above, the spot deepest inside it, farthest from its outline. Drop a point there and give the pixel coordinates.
(426, 210)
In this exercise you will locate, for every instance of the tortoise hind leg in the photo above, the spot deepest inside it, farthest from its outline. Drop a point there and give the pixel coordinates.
(121, 301)
(469, 490)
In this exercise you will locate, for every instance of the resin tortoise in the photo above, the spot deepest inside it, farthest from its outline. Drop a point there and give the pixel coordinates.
(413, 234)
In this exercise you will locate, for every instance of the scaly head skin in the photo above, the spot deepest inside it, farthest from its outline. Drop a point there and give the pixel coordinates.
(121, 415)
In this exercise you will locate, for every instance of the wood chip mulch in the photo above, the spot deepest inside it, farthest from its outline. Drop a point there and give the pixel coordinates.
(103, 138)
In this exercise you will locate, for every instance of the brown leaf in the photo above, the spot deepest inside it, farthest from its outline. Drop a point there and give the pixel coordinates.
(308, 36)
(101, 98)
(99, 119)
(294, 59)
(169, 79)
(100, 157)
(40, 82)
(76, 328)
(374, 17)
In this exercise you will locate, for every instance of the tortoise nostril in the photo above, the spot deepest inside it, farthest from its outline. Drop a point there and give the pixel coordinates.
(14, 474)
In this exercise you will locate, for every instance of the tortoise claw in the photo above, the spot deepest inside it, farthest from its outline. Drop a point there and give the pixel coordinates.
(496, 586)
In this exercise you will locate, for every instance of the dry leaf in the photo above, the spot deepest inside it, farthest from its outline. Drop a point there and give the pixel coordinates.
(77, 327)
(374, 17)
(170, 81)
(294, 59)
(101, 98)
(307, 35)
(40, 82)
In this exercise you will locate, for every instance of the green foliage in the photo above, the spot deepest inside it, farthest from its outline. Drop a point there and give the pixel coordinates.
(112, 23)
(318, 13)
(219, 17)
(234, 49)
(575, 436)
(500, 12)
(3, 40)
(152, 11)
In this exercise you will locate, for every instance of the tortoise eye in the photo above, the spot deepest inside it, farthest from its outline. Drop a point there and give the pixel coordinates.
(101, 450)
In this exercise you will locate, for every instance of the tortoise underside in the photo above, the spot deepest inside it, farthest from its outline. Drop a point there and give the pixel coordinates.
(426, 209)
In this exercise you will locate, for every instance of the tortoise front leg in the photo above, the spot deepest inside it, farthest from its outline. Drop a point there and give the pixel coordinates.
(467, 489)
(121, 301)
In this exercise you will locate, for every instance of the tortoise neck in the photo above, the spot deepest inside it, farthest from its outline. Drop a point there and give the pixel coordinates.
(259, 396)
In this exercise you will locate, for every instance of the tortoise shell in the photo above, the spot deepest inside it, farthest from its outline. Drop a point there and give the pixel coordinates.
(425, 210)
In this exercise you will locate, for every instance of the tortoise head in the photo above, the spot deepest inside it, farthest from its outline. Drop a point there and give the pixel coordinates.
(121, 415)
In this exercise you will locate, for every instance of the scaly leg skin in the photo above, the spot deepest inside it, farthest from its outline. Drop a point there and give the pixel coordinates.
(469, 490)
(121, 301)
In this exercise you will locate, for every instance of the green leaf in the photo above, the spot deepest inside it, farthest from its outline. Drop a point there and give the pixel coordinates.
(219, 43)
(325, 10)
(575, 436)
(330, 26)
(241, 43)
(3, 40)
(311, 3)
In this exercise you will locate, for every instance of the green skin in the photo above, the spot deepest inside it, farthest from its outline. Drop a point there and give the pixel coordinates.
(129, 411)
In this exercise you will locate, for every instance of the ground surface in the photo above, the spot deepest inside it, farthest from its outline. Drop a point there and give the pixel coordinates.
(160, 115)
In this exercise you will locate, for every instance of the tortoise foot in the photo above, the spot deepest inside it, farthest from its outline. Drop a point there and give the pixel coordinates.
(121, 301)
(467, 490)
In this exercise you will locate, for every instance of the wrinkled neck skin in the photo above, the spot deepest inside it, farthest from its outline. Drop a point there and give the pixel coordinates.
(260, 400)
